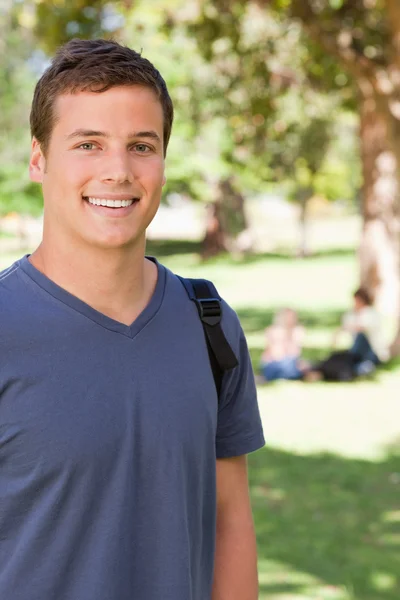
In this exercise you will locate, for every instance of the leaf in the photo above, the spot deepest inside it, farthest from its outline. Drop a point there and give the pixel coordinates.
(336, 4)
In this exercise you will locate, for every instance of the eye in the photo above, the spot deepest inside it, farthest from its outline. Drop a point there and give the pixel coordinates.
(142, 148)
(86, 146)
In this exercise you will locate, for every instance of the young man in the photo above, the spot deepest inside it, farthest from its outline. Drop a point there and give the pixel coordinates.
(123, 475)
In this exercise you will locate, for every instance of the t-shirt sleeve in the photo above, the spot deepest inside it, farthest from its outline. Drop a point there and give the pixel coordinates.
(239, 429)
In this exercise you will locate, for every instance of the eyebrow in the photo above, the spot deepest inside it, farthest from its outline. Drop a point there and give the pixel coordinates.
(78, 133)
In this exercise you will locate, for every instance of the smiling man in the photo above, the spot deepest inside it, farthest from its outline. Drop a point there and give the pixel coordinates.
(123, 471)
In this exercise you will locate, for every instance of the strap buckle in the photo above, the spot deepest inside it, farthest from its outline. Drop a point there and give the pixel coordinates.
(209, 310)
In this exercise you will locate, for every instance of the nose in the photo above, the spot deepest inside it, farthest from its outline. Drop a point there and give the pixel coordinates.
(116, 167)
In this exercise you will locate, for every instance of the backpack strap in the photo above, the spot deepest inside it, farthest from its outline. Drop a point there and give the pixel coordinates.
(204, 294)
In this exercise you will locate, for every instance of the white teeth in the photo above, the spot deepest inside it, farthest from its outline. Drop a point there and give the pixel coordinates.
(110, 203)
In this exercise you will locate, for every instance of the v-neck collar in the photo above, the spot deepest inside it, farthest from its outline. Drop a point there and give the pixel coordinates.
(101, 319)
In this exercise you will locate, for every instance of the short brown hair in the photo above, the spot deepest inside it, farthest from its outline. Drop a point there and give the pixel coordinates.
(94, 65)
(363, 295)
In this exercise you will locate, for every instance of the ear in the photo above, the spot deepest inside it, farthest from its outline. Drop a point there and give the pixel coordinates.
(164, 180)
(37, 163)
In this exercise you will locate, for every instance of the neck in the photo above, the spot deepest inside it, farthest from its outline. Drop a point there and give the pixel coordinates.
(117, 282)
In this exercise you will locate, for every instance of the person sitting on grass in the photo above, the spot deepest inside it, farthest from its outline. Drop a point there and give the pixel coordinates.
(367, 350)
(363, 322)
(284, 339)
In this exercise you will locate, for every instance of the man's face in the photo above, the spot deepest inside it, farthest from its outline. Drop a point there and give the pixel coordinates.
(105, 148)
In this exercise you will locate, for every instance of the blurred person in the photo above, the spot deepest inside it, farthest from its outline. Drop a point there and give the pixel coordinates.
(364, 324)
(283, 344)
(368, 349)
(123, 472)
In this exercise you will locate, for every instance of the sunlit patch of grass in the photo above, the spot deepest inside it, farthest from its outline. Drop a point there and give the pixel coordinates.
(382, 581)
(319, 525)
(280, 581)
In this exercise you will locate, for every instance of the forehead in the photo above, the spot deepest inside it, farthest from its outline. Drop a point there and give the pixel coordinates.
(119, 109)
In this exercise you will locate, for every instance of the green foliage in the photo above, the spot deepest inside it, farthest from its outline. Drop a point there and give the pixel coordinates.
(301, 119)
(242, 94)
(57, 21)
(336, 4)
(17, 193)
(361, 27)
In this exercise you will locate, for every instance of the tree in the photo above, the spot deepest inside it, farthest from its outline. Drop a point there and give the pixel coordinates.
(353, 46)
(279, 121)
(363, 37)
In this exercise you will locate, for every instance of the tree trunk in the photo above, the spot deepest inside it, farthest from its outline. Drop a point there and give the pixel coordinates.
(379, 248)
(304, 196)
(215, 239)
(226, 223)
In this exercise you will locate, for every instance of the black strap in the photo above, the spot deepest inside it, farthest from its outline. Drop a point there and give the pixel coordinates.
(204, 294)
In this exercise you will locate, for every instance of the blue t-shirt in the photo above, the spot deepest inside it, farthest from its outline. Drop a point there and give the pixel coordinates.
(109, 436)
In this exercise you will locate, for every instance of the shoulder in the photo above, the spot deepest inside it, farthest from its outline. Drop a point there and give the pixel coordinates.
(9, 285)
(239, 429)
(178, 289)
(17, 299)
(370, 314)
(9, 272)
(185, 305)
(14, 303)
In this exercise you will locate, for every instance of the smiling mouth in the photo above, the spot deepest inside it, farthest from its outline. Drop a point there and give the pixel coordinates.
(110, 203)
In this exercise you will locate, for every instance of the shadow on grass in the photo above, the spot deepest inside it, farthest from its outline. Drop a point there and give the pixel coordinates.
(162, 248)
(310, 354)
(254, 319)
(291, 256)
(333, 518)
(280, 588)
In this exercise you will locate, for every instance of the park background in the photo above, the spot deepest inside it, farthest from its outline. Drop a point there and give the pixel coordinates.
(283, 188)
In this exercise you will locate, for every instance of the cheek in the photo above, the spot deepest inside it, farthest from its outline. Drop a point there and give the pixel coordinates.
(64, 179)
(152, 173)
(71, 174)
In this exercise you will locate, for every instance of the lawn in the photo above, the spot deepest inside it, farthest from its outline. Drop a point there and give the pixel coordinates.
(326, 488)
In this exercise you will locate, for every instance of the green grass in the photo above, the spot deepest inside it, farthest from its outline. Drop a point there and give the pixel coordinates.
(327, 526)
(326, 488)
(6, 235)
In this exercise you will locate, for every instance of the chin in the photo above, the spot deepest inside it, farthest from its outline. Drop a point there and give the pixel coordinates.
(115, 242)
